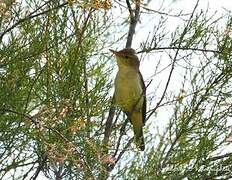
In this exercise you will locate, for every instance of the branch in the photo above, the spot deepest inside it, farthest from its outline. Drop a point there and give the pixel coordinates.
(109, 121)
(111, 167)
(134, 17)
(124, 150)
(129, 8)
(220, 157)
(122, 130)
(179, 48)
(40, 167)
(3, 110)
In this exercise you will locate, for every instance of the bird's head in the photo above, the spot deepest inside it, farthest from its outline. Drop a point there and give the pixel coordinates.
(126, 58)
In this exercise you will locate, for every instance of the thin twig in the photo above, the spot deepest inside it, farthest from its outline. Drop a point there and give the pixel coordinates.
(122, 130)
(179, 48)
(111, 167)
(165, 13)
(40, 167)
(219, 157)
(193, 112)
(3, 110)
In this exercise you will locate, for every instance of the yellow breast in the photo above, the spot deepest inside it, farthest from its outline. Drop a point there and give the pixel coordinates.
(128, 90)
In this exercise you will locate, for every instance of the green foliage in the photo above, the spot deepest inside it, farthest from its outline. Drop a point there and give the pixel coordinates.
(50, 70)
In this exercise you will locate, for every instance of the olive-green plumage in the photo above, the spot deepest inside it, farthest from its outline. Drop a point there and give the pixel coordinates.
(130, 92)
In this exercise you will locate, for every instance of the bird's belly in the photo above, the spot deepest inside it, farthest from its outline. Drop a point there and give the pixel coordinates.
(127, 93)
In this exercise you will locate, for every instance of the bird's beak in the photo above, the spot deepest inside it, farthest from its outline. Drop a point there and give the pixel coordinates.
(114, 52)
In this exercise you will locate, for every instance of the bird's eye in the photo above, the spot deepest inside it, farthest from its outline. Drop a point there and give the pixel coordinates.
(126, 57)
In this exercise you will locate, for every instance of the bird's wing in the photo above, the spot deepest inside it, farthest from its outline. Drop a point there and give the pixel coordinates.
(144, 108)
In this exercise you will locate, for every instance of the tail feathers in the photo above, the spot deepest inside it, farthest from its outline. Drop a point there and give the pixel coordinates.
(139, 141)
(137, 122)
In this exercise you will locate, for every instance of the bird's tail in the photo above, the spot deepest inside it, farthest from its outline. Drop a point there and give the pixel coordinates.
(137, 123)
(139, 140)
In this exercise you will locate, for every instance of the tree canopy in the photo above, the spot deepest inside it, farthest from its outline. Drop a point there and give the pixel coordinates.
(57, 118)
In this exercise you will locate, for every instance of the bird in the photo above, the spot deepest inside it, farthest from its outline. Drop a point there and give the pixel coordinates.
(130, 92)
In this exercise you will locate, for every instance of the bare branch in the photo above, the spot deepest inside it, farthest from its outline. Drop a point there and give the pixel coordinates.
(109, 121)
(129, 8)
(134, 17)
(179, 48)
